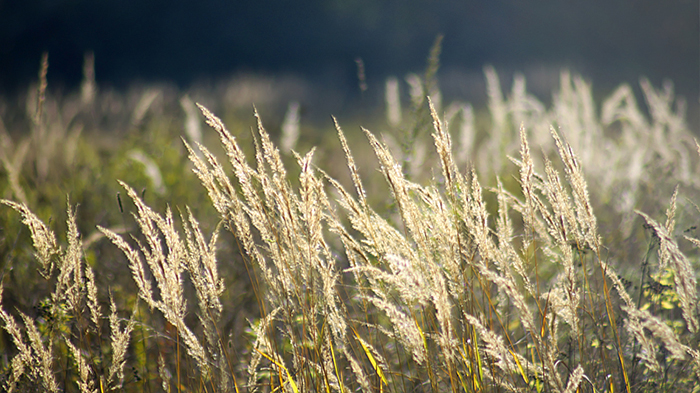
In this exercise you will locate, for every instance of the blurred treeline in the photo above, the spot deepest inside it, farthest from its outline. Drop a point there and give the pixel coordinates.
(186, 41)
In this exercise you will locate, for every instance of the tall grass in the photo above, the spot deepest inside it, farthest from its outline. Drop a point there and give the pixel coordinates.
(499, 277)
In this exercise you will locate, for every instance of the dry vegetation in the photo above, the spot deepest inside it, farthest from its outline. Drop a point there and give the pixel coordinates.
(531, 254)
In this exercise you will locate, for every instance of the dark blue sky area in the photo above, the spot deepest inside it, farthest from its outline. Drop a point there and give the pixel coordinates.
(185, 41)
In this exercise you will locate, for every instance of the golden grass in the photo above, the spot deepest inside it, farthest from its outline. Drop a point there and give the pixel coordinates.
(452, 288)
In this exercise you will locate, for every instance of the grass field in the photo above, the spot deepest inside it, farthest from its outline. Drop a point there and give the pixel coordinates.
(153, 244)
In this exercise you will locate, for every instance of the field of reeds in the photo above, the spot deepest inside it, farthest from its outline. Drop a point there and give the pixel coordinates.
(447, 248)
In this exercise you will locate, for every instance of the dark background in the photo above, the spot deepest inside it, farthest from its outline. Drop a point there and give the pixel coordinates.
(608, 41)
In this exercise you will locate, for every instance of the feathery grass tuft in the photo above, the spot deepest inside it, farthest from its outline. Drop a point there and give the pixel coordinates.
(504, 274)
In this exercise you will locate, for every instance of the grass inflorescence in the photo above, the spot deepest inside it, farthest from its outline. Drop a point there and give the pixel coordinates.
(526, 256)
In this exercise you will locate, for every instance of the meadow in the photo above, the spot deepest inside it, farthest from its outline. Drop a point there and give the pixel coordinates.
(150, 243)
